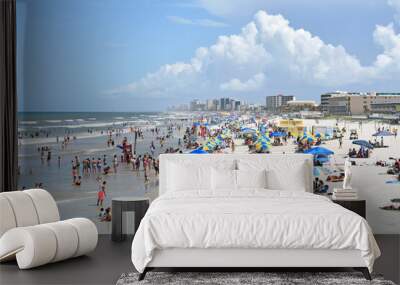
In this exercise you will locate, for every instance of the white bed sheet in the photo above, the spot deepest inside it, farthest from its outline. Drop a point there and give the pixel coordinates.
(252, 218)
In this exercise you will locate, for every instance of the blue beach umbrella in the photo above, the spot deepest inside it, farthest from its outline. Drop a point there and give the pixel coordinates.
(198, 151)
(322, 158)
(276, 134)
(264, 137)
(363, 143)
(248, 130)
(308, 137)
(319, 151)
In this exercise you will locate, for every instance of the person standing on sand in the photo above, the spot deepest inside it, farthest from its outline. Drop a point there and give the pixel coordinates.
(115, 163)
(137, 165)
(101, 195)
(156, 165)
(74, 172)
(98, 165)
(89, 165)
(94, 165)
(133, 161)
(340, 141)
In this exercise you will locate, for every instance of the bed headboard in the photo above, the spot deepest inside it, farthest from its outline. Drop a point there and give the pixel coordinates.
(210, 159)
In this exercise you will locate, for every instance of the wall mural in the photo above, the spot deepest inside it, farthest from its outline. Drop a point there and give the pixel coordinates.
(98, 103)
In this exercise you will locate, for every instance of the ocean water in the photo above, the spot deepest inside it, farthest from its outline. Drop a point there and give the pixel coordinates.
(91, 130)
(52, 124)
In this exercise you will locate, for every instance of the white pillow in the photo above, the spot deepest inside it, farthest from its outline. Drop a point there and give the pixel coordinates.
(293, 179)
(251, 178)
(183, 177)
(223, 179)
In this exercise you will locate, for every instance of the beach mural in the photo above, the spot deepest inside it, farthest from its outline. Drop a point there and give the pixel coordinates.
(87, 135)
(85, 159)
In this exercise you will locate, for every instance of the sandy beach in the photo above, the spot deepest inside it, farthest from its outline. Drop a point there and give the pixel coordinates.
(371, 181)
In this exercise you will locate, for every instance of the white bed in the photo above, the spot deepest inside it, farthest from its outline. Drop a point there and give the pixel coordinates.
(215, 211)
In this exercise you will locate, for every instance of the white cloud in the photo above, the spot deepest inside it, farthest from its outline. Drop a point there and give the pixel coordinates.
(252, 84)
(268, 51)
(197, 22)
(387, 63)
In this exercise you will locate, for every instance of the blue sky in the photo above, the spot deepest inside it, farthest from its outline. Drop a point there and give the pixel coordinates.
(122, 55)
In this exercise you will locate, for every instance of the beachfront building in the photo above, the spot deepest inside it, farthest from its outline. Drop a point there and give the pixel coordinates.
(325, 100)
(386, 108)
(212, 105)
(357, 103)
(386, 103)
(197, 105)
(229, 104)
(275, 102)
(222, 104)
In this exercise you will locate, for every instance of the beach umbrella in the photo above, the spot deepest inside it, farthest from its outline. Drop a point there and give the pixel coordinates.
(276, 134)
(265, 137)
(262, 139)
(383, 134)
(198, 151)
(319, 151)
(248, 130)
(254, 137)
(262, 146)
(363, 143)
(321, 158)
(218, 141)
(308, 137)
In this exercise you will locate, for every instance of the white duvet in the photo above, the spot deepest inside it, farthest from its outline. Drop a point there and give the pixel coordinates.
(250, 219)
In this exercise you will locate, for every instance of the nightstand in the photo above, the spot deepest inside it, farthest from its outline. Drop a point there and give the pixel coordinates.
(357, 206)
(139, 205)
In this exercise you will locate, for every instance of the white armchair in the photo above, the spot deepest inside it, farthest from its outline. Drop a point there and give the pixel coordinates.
(31, 231)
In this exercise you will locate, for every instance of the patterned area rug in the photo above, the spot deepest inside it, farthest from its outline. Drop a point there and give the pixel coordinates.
(229, 278)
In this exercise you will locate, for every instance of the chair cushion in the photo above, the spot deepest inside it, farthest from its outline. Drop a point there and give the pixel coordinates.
(23, 208)
(67, 240)
(32, 246)
(46, 207)
(7, 220)
(87, 235)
